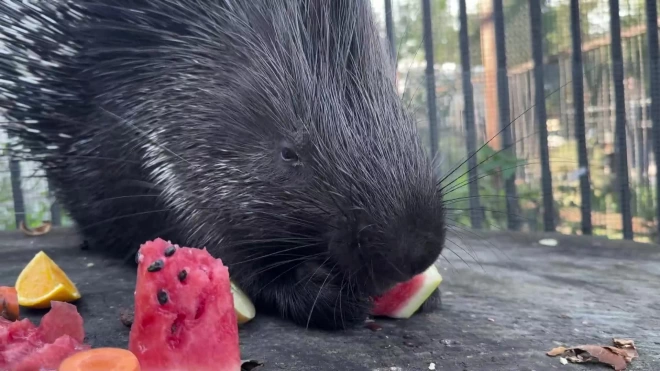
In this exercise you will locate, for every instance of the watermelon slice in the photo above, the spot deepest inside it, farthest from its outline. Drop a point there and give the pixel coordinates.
(184, 311)
(404, 299)
(25, 347)
(62, 319)
(49, 356)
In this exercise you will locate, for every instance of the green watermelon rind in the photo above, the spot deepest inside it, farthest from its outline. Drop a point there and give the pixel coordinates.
(431, 280)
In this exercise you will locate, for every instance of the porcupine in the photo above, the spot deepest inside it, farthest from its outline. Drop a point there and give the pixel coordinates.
(268, 131)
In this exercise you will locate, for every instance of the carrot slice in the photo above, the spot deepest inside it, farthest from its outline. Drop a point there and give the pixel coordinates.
(8, 303)
(101, 359)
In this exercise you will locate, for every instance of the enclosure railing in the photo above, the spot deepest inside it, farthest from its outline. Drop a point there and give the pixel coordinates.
(528, 135)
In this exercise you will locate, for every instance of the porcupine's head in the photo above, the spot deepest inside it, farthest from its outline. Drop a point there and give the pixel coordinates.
(276, 132)
(335, 189)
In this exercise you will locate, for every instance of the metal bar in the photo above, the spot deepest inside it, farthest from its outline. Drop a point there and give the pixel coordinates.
(55, 210)
(389, 28)
(17, 190)
(430, 78)
(621, 153)
(578, 106)
(470, 132)
(654, 82)
(536, 24)
(504, 114)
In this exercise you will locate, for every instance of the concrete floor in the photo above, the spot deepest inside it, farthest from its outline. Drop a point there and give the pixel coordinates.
(506, 301)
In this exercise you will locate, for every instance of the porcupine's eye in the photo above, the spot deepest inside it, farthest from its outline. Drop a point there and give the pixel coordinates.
(289, 155)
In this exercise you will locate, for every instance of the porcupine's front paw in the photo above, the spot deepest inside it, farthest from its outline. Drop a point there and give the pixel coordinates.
(317, 297)
(433, 303)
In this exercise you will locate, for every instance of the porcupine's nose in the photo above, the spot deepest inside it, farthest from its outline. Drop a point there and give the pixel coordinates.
(384, 254)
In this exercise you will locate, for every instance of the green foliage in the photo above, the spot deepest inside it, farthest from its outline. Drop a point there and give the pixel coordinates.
(409, 26)
(492, 166)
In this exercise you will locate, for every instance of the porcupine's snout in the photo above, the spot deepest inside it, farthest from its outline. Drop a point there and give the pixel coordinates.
(380, 254)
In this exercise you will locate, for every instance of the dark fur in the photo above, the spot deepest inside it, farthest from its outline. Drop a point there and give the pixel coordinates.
(170, 118)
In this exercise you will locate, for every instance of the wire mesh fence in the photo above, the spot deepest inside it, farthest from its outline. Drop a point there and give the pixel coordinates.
(540, 114)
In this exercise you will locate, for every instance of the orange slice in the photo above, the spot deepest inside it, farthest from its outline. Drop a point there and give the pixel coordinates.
(101, 359)
(42, 281)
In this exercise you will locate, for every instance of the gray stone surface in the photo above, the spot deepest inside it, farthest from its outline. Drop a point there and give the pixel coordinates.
(506, 301)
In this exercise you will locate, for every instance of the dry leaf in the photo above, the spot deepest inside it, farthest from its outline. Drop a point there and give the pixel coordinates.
(127, 317)
(39, 231)
(617, 356)
(250, 365)
(628, 346)
(557, 351)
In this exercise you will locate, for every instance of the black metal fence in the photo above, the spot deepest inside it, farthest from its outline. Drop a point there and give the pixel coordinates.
(542, 114)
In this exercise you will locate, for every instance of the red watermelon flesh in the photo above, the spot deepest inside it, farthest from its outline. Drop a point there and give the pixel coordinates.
(23, 346)
(404, 299)
(184, 311)
(49, 356)
(62, 319)
(14, 331)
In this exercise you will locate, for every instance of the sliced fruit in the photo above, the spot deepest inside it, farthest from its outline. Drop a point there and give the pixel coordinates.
(49, 356)
(184, 311)
(242, 305)
(25, 347)
(404, 299)
(43, 281)
(8, 303)
(62, 319)
(101, 359)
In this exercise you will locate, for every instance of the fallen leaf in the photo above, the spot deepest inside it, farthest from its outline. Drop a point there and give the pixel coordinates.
(126, 317)
(38, 231)
(557, 351)
(617, 356)
(628, 346)
(250, 365)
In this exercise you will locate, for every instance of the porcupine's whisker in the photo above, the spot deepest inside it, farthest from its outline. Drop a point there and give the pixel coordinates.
(311, 257)
(127, 197)
(259, 255)
(456, 200)
(142, 213)
(498, 134)
(272, 254)
(339, 300)
(460, 228)
(281, 263)
(393, 266)
(261, 249)
(494, 211)
(311, 276)
(495, 171)
(309, 318)
(474, 257)
(471, 180)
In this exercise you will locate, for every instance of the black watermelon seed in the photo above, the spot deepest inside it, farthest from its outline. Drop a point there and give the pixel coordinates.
(182, 275)
(162, 297)
(169, 251)
(156, 266)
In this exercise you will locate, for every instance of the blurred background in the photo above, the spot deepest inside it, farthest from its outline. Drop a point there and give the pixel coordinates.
(539, 114)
